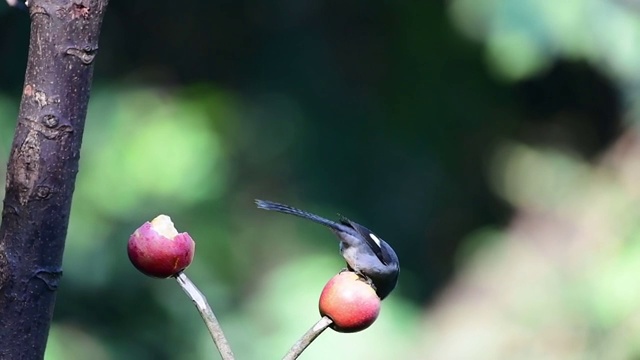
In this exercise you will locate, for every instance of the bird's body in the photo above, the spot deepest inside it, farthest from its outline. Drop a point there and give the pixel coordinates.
(365, 253)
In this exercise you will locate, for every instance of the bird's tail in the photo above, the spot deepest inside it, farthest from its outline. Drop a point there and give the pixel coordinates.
(273, 206)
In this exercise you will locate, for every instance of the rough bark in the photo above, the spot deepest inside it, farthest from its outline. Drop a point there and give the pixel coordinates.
(42, 169)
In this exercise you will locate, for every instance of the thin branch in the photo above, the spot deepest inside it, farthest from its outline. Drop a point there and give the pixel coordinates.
(306, 339)
(207, 315)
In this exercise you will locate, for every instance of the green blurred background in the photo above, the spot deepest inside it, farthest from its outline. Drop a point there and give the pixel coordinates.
(491, 142)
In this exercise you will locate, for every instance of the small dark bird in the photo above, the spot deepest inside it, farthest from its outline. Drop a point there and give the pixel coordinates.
(18, 4)
(366, 254)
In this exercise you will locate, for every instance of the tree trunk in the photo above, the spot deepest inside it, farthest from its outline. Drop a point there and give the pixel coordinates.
(42, 169)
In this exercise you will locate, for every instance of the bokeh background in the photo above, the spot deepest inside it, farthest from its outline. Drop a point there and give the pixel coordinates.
(493, 143)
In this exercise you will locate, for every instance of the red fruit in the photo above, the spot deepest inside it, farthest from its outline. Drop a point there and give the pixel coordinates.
(157, 249)
(350, 302)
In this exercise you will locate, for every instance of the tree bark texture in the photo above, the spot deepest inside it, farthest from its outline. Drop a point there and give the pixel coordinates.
(42, 169)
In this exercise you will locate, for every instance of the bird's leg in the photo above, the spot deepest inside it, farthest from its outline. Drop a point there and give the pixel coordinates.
(361, 276)
(366, 279)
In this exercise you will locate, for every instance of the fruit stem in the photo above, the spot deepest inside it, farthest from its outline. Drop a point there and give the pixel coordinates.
(200, 301)
(306, 339)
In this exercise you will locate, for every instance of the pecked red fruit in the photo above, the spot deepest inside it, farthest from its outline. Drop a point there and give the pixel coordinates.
(351, 303)
(157, 249)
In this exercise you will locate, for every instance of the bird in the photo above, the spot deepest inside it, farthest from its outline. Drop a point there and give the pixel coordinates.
(18, 4)
(366, 254)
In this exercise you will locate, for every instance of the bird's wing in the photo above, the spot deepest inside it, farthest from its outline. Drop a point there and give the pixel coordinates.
(374, 242)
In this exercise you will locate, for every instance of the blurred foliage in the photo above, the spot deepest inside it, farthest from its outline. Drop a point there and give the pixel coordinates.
(560, 282)
(480, 161)
(525, 36)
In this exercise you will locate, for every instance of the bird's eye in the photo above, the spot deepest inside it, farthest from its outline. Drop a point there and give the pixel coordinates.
(375, 238)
